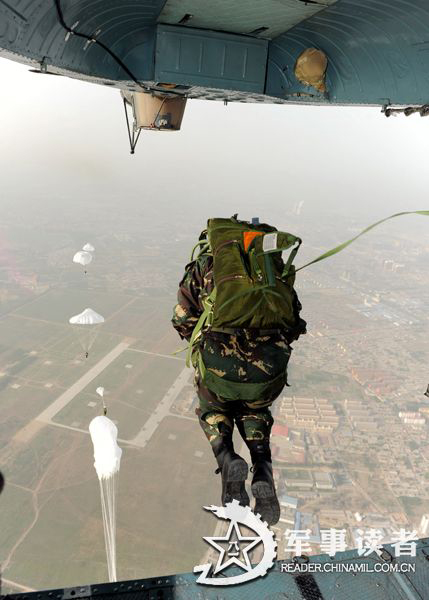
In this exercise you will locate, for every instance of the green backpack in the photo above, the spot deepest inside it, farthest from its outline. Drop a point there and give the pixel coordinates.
(253, 287)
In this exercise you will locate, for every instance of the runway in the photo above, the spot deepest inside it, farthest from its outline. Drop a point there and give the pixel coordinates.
(49, 413)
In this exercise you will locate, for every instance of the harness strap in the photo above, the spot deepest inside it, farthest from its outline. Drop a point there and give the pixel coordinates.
(205, 319)
(288, 266)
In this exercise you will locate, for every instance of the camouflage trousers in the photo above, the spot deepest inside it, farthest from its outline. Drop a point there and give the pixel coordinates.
(241, 358)
(253, 418)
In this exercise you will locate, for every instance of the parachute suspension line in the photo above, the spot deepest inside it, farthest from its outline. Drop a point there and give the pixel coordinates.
(345, 244)
(108, 507)
(86, 337)
(86, 326)
(107, 455)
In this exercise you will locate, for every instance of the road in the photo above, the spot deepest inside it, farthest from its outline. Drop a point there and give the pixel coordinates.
(49, 413)
(26, 433)
(162, 409)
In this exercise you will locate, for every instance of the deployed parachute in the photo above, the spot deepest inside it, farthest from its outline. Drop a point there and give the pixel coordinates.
(82, 258)
(85, 324)
(88, 248)
(87, 317)
(107, 455)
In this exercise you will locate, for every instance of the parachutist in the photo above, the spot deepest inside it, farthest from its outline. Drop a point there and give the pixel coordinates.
(229, 392)
(85, 325)
(427, 392)
(104, 410)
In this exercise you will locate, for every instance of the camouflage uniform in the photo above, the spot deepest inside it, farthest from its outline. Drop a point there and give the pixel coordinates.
(242, 356)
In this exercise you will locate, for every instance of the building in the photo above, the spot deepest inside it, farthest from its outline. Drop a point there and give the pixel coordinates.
(288, 501)
(323, 480)
(305, 521)
(297, 478)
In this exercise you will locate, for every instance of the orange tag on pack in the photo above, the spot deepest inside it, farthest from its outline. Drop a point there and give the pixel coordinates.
(248, 237)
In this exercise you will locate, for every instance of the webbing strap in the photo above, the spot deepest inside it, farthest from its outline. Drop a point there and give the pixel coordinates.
(292, 255)
(254, 264)
(269, 270)
(345, 244)
(204, 318)
(204, 247)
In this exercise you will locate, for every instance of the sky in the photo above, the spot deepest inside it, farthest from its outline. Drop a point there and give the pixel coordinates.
(62, 139)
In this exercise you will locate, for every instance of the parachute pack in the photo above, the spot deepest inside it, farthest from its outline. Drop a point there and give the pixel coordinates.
(253, 287)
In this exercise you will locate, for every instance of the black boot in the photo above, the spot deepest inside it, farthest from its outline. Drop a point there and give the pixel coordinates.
(234, 471)
(263, 487)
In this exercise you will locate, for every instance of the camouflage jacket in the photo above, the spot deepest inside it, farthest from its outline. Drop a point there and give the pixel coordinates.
(245, 356)
(196, 284)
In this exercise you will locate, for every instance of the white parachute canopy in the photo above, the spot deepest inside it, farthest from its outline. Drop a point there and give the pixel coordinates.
(85, 324)
(88, 248)
(107, 455)
(87, 317)
(82, 258)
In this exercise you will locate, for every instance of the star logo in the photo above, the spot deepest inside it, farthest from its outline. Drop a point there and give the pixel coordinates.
(234, 547)
(232, 540)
